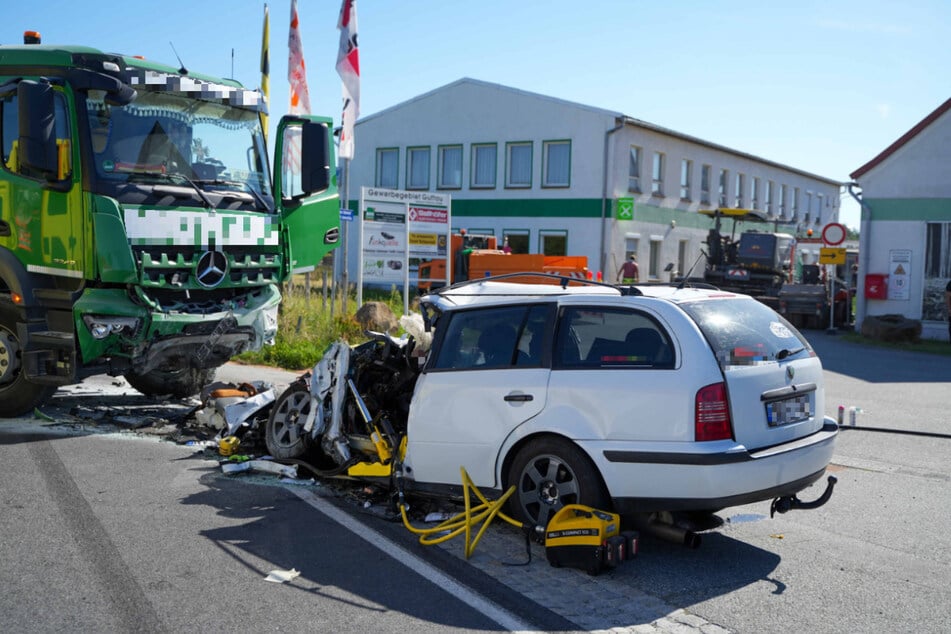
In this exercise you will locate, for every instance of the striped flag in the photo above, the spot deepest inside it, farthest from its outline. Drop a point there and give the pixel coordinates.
(300, 96)
(296, 70)
(348, 67)
(265, 69)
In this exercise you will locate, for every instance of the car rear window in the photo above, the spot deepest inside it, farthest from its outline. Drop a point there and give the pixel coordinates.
(744, 332)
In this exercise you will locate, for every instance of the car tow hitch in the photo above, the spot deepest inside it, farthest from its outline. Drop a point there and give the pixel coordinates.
(792, 503)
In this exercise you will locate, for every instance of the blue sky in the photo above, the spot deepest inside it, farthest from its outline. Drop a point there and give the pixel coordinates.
(819, 85)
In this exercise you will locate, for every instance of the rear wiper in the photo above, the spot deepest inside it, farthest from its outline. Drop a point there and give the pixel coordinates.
(786, 352)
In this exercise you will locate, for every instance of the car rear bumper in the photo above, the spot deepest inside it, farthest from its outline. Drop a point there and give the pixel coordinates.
(644, 481)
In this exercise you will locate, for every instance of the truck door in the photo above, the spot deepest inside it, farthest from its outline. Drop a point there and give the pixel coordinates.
(42, 219)
(307, 191)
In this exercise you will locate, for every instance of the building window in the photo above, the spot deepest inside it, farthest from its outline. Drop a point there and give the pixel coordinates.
(653, 270)
(781, 210)
(795, 203)
(808, 206)
(484, 163)
(634, 172)
(556, 168)
(685, 168)
(705, 184)
(768, 197)
(417, 168)
(517, 239)
(681, 259)
(754, 195)
(450, 167)
(630, 248)
(553, 242)
(740, 184)
(387, 168)
(722, 191)
(818, 209)
(519, 164)
(657, 178)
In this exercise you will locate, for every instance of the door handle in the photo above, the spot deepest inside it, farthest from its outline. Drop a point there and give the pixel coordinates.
(518, 398)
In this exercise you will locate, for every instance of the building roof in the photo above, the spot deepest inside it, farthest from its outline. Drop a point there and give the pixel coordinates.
(619, 117)
(905, 138)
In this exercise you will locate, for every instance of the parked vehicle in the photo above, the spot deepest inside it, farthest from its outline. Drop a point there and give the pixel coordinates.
(474, 256)
(646, 401)
(141, 233)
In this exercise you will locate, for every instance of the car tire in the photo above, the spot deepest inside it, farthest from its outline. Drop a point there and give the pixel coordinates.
(17, 395)
(284, 433)
(549, 473)
(180, 383)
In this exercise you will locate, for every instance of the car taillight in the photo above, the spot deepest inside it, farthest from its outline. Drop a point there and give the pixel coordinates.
(712, 417)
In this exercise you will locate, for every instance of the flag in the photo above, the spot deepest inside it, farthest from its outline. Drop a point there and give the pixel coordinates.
(348, 67)
(296, 70)
(300, 97)
(265, 69)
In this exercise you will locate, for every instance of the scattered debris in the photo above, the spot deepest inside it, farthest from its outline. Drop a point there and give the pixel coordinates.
(282, 576)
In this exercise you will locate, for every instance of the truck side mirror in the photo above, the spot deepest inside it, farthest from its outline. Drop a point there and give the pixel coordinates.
(37, 118)
(315, 157)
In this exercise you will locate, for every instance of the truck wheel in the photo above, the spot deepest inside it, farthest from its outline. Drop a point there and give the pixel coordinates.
(17, 395)
(549, 473)
(180, 383)
(284, 433)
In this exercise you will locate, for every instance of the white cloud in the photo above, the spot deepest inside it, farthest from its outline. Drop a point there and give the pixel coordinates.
(884, 110)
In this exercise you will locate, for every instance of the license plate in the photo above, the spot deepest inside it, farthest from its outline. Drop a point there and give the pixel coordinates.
(788, 411)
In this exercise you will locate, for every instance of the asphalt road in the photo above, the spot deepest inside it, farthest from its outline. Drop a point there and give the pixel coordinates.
(121, 532)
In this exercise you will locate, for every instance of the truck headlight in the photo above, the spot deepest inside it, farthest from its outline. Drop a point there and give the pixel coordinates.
(101, 326)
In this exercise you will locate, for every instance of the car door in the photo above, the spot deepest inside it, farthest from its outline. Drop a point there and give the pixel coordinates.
(488, 374)
(617, 376)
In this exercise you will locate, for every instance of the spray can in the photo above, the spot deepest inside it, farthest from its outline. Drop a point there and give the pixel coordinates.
(841, 417)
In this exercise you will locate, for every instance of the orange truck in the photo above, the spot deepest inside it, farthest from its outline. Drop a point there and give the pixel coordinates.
(476, 256)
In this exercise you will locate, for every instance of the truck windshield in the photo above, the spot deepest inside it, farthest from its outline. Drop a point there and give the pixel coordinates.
(166, 143)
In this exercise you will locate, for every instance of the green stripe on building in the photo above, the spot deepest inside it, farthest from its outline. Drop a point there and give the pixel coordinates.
(920, 209)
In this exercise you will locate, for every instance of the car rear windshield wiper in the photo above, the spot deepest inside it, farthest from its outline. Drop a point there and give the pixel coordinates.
(786, 352)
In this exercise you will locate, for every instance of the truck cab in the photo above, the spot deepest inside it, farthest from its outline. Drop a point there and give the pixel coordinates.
(142, 231)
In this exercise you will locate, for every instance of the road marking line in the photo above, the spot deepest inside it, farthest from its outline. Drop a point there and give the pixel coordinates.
(501, 616)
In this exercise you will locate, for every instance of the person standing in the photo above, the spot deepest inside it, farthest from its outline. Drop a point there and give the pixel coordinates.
(629, 271)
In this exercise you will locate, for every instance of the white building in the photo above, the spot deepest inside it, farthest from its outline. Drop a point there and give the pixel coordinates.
(562, 178)
(905, 232)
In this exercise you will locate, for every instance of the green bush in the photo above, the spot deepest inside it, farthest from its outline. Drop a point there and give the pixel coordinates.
(305, 328)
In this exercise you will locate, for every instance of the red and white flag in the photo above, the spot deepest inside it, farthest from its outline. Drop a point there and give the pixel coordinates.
(296, 69)
(348, 67)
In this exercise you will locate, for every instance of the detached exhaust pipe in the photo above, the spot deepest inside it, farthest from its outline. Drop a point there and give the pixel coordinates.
(792, 503)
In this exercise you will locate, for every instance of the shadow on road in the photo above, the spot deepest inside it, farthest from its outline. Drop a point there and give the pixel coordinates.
(878, 365)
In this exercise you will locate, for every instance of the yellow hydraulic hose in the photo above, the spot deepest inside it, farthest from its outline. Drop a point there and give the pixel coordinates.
(463, 522)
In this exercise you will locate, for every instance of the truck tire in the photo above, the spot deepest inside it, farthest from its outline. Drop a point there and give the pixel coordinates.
(549, 473)
(17, 395)
(180, 383)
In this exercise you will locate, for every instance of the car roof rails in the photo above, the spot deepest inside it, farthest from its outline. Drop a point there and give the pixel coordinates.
(541, 280)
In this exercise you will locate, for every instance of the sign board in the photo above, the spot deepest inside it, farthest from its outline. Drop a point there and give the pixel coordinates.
(833, 234)
(899, 274)
(396, 227)
(624, 209)
(346, 215)
(831, 255)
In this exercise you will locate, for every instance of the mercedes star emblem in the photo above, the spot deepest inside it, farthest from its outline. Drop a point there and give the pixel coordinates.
(211, 268)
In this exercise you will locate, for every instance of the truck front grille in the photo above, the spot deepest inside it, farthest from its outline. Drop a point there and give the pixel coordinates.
(172, 267)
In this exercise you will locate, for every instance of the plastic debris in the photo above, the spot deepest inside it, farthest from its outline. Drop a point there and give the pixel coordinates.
(778, 536)
(282, 576)
(437, 517)
(262, 466)
(235, 467)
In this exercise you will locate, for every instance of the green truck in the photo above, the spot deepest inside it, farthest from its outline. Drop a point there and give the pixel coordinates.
(142, 233)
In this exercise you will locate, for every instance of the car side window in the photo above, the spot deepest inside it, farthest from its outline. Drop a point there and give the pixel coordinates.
(593, 337)
(493, 338)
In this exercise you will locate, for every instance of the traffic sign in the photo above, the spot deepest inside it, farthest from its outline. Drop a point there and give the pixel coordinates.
(831, 255)
(833, 234)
